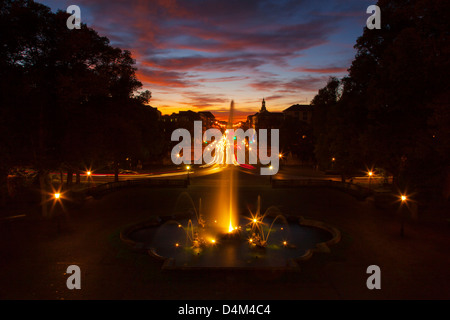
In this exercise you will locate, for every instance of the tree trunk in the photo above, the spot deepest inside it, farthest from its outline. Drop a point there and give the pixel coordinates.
(116, 171)
(43, 184)
(3, 187)
(61, 179)
(69, 178)
(78, 178)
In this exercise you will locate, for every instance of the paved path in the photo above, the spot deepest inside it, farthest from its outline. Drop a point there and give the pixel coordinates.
(35, 254)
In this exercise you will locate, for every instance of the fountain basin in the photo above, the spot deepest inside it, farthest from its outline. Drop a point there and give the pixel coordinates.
(291, 242)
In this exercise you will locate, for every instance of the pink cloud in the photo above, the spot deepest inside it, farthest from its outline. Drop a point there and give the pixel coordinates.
(163, 78)
(326, 70)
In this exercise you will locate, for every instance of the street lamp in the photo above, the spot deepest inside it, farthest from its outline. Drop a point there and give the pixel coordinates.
(188, 168)
(88, 174)
(403, 199)
(370, 173)
(56, 209)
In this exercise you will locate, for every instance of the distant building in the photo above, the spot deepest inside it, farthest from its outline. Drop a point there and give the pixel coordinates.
(187, 116)
(302, 112)
(208, 119)
(265, 119)
(157, 112)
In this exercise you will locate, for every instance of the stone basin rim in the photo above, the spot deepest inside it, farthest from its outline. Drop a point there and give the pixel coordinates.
(293, 264)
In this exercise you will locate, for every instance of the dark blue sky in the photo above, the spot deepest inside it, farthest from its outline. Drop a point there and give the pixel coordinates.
(200, 54)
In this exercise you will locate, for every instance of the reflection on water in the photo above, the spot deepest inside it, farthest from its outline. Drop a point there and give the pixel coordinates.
(169, 240)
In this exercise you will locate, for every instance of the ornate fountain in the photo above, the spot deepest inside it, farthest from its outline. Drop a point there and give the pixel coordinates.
(224, 239)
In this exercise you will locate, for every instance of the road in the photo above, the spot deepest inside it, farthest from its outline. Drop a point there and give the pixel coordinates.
(181, 172)
(172, 173)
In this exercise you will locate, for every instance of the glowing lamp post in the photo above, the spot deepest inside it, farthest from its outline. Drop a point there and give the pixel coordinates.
(56, 210)
(88, 175)
(370, 174)
(403, 203)
(188, 168)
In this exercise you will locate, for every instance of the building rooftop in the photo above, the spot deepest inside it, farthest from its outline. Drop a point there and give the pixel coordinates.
(298, 107)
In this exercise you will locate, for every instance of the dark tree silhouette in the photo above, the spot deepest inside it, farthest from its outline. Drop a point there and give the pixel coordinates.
(390, 111)
(67, 97)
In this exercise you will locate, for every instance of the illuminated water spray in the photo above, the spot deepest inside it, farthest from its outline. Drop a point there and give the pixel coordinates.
(227, 192)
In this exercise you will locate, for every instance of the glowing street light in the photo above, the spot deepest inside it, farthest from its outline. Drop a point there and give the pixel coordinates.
(57, 200)
(404, 200)
(88, 176)
(370, 174)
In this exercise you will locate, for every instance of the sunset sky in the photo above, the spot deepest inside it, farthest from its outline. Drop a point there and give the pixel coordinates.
(200, 54)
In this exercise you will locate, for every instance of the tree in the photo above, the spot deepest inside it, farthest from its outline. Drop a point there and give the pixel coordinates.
(324, 106)
(408, 74)
(67, 95)
(390, 112)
